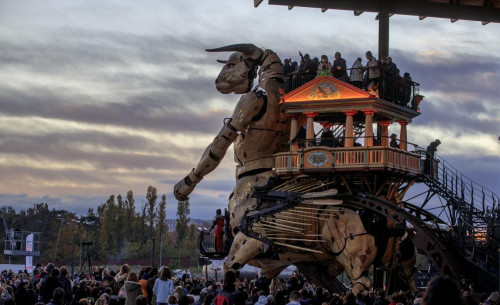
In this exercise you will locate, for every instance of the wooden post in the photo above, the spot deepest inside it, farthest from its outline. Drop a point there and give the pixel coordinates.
(310, 128)
(349, 128)
(403, 145)
(294, 128)
(368, 126)
(385, 133)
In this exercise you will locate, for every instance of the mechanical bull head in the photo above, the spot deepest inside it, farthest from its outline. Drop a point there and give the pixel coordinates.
(240, 69)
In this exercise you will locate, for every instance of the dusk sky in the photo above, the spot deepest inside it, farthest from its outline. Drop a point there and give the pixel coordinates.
(103, 97)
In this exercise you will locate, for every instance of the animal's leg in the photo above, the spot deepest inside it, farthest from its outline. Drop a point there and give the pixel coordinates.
(243, 249)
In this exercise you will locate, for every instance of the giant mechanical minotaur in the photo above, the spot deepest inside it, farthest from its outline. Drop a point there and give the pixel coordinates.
(258, 130)
(309, 230)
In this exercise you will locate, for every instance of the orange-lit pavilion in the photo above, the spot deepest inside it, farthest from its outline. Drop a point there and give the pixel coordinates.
(351, 112)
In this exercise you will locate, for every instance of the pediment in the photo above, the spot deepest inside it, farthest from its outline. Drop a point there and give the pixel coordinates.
(326, 88)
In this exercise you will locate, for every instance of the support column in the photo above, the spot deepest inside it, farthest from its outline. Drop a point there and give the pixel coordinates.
(403, 137)
(349, 128)
(310, 127)
(294, 128)
(368, 126)
(385, 133)
(383, 34)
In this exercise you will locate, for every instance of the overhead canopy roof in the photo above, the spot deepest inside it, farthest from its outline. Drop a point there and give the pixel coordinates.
(485, 11)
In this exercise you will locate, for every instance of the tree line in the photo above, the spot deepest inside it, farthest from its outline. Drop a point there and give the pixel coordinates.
(117, 230)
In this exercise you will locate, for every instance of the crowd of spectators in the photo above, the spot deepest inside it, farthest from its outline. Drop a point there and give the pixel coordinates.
(381, 77)
(52, 285)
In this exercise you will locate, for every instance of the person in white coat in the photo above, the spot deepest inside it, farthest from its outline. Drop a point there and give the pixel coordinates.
(357, 73)
(163, 287)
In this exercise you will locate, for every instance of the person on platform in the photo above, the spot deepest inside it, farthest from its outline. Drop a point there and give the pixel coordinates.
(340, 67)
(394, 143)
(325, 67)
(373, 76)
(218, 224)
(357, 73)
(432, 148)
(287, 67)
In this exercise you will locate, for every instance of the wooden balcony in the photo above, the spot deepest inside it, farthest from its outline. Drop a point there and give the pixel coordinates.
(324, 159)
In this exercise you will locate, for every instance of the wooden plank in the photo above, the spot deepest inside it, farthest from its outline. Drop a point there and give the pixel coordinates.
(323, 202)
(297, 247)
(301, 239)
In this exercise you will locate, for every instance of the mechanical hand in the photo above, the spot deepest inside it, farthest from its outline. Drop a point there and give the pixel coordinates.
(184, 187)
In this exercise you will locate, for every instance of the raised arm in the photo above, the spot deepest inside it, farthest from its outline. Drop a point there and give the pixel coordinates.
(246, 109)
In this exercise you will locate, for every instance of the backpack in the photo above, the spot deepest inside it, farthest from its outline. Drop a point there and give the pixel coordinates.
(223, 298)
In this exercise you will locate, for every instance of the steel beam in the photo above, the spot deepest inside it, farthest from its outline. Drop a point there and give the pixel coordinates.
(404, 7)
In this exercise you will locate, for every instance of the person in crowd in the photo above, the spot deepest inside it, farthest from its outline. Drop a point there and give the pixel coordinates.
(262, 283)
(7, 296)
(294, 298)
(57, 297)
(172, 300)
(493, 299)
(101, 301)
(442, 289)
(132, 289)
(208, 299)
(261, 301)
(373, 73)
(153, 275)
(287, 67)
(304, 296)
(324, 67)
(22, 295)
(360, 299)
(83, 301)
(391, 66)
(141, 300)
(340, 67)
(143, 280)
(293, 282)
(408, 84)
(309, 65)
(49, 284)
(65, 284)
(122, 276)
(278, 298)
(106, 275)
(357, 73)
(163, 286)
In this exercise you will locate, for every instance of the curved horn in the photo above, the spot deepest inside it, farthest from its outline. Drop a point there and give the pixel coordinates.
(241, 47)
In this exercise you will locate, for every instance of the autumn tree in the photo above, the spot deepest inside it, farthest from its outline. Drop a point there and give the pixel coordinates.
(183, 219)
(151, 197)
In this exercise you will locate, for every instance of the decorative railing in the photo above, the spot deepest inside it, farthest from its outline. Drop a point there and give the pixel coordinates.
(324, 158)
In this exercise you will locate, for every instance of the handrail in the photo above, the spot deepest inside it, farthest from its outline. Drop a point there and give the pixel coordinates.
(465, 189)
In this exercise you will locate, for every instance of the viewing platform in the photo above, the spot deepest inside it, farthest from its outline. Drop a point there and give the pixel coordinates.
(348, 141)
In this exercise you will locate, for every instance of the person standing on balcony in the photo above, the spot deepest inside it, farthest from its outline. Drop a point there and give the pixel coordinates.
(340, 67)
(373, 76)
(324, 68)
(357, 73)
(394, 143)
